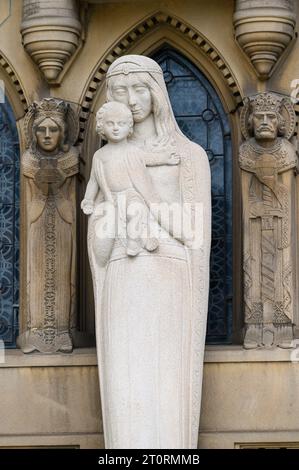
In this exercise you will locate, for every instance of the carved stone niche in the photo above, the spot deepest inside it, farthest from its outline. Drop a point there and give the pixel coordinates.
(268, 163)
(51, 33)
(264, 29)
(49, 166)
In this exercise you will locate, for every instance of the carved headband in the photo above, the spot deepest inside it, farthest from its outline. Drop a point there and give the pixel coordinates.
(125, 70)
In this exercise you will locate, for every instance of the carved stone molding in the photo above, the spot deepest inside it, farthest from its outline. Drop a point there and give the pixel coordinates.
(4, 64)
(126, 44)
(268, 162)
(51, 33)
(264, 29)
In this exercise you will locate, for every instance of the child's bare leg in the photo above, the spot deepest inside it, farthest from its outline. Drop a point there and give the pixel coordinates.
(133, 243)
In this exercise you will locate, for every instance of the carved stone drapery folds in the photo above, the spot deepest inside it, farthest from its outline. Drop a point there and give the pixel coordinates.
(49, 166)
(51, 32)
(264, 28)
(151, 299)
(268, 162)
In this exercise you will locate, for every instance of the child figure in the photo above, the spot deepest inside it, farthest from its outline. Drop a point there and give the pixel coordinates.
(120, 167)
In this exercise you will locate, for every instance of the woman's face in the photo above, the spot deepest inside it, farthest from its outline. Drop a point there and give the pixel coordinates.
(130, 90)
(48, 135)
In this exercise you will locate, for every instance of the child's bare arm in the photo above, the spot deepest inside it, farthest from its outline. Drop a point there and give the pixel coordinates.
(92, 189)
(158, 159)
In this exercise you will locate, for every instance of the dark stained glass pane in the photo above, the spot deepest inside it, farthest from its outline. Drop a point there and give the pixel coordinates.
(9, 226)
(201, 117)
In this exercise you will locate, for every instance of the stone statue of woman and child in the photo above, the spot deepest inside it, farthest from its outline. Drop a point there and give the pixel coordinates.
(151, 280)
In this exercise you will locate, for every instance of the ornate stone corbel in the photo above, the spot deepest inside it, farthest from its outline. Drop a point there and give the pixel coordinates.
(51, 33)
(264, 29)
(49, 166)
(268, 162)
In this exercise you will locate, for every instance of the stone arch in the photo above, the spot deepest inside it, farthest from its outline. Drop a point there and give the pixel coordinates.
(150, 35)
(174, 31)
(17, 102)
(13, 88)
(10, 223)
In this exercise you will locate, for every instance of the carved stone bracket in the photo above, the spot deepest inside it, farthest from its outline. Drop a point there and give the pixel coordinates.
(264, 29)
(51, 34)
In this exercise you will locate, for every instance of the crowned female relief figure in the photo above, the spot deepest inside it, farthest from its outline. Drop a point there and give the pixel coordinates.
(49, 166)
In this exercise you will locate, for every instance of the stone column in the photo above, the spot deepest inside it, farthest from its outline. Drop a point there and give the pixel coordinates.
(264, 29)
(268, 163)
(51, 32)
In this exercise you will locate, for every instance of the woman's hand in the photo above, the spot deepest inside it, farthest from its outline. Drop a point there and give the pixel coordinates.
(173, 159)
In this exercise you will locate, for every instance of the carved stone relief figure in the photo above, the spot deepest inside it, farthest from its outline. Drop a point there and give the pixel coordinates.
(268, 162)
(151, 305)
(49, 166)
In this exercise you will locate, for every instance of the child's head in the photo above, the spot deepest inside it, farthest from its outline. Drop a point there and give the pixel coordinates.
(114, 121)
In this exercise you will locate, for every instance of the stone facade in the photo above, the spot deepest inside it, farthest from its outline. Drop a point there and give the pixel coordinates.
(65, 56)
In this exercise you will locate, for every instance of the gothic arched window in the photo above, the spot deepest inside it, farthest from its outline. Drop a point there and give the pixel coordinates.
(201, 117)
(9, 225)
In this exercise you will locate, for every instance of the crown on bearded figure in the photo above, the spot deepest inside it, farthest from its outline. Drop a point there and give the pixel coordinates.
(266, 102)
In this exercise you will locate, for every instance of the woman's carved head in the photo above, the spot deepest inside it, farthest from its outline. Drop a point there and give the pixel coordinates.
(138, 82)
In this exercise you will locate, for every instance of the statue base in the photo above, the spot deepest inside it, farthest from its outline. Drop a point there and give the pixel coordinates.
(269, 335)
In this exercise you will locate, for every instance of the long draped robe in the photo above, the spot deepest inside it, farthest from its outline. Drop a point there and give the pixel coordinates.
(151, 322)
(51, 254)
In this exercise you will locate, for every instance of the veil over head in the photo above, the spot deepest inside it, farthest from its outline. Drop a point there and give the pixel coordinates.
(151, 74)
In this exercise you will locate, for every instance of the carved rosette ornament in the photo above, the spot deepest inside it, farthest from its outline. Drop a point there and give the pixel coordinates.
(49, 166)
(268, 162)
(264, 29)
(51, 33)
